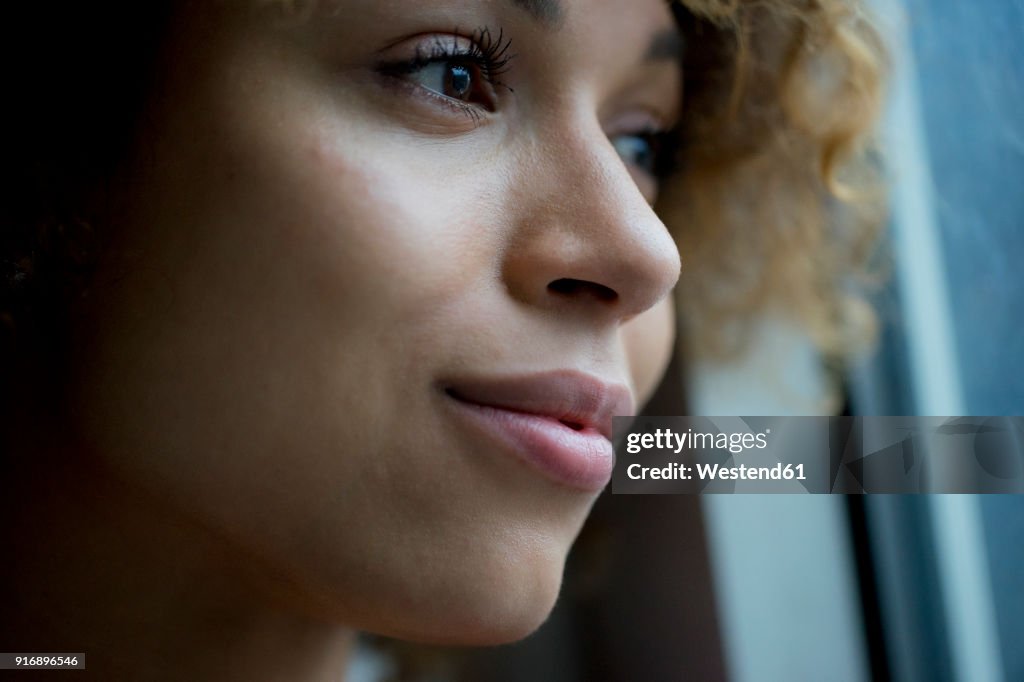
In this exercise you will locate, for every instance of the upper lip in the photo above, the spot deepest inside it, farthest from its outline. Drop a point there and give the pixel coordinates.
(576, 399)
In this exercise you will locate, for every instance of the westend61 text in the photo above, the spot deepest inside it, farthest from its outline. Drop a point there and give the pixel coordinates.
(711, 472)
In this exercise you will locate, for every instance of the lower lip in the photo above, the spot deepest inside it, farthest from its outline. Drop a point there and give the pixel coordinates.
(578, 459)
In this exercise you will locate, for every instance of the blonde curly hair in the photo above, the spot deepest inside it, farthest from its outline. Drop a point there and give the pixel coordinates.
(779, 202)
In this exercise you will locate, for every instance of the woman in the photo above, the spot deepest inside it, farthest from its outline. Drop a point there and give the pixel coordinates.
(320, 314)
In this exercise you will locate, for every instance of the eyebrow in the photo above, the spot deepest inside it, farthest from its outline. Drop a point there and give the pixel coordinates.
(548, 12)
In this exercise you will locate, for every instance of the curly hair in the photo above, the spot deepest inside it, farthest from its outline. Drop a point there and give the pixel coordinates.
(780, 200)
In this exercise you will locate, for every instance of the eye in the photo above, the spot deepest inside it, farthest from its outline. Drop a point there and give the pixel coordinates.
(456, 79)
(460, 72)
(652, 151)
(637, 150)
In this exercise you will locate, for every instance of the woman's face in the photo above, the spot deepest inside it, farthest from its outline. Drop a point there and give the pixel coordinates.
(382, 274)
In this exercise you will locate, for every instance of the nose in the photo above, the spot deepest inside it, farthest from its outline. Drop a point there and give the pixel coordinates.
(585, 240)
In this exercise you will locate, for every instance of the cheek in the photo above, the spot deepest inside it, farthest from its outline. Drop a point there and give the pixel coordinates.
(265, 365)
(648, 339)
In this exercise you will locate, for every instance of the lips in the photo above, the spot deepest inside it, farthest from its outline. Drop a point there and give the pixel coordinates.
(559, 422)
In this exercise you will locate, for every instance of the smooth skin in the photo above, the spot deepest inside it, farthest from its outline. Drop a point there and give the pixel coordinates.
(310, 240)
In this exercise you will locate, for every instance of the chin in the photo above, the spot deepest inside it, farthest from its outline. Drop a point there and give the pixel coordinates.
(486, 605)
(507, 618)
(500, 621)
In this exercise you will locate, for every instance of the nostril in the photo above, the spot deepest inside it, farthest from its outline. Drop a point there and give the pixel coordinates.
(577, 287)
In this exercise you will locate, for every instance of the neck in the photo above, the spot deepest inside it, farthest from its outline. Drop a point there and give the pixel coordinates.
(93, 566)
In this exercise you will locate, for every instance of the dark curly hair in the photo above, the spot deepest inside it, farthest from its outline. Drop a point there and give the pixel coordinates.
(77, 76)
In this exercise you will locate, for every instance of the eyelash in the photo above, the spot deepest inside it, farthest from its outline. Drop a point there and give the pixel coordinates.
(488, 53)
